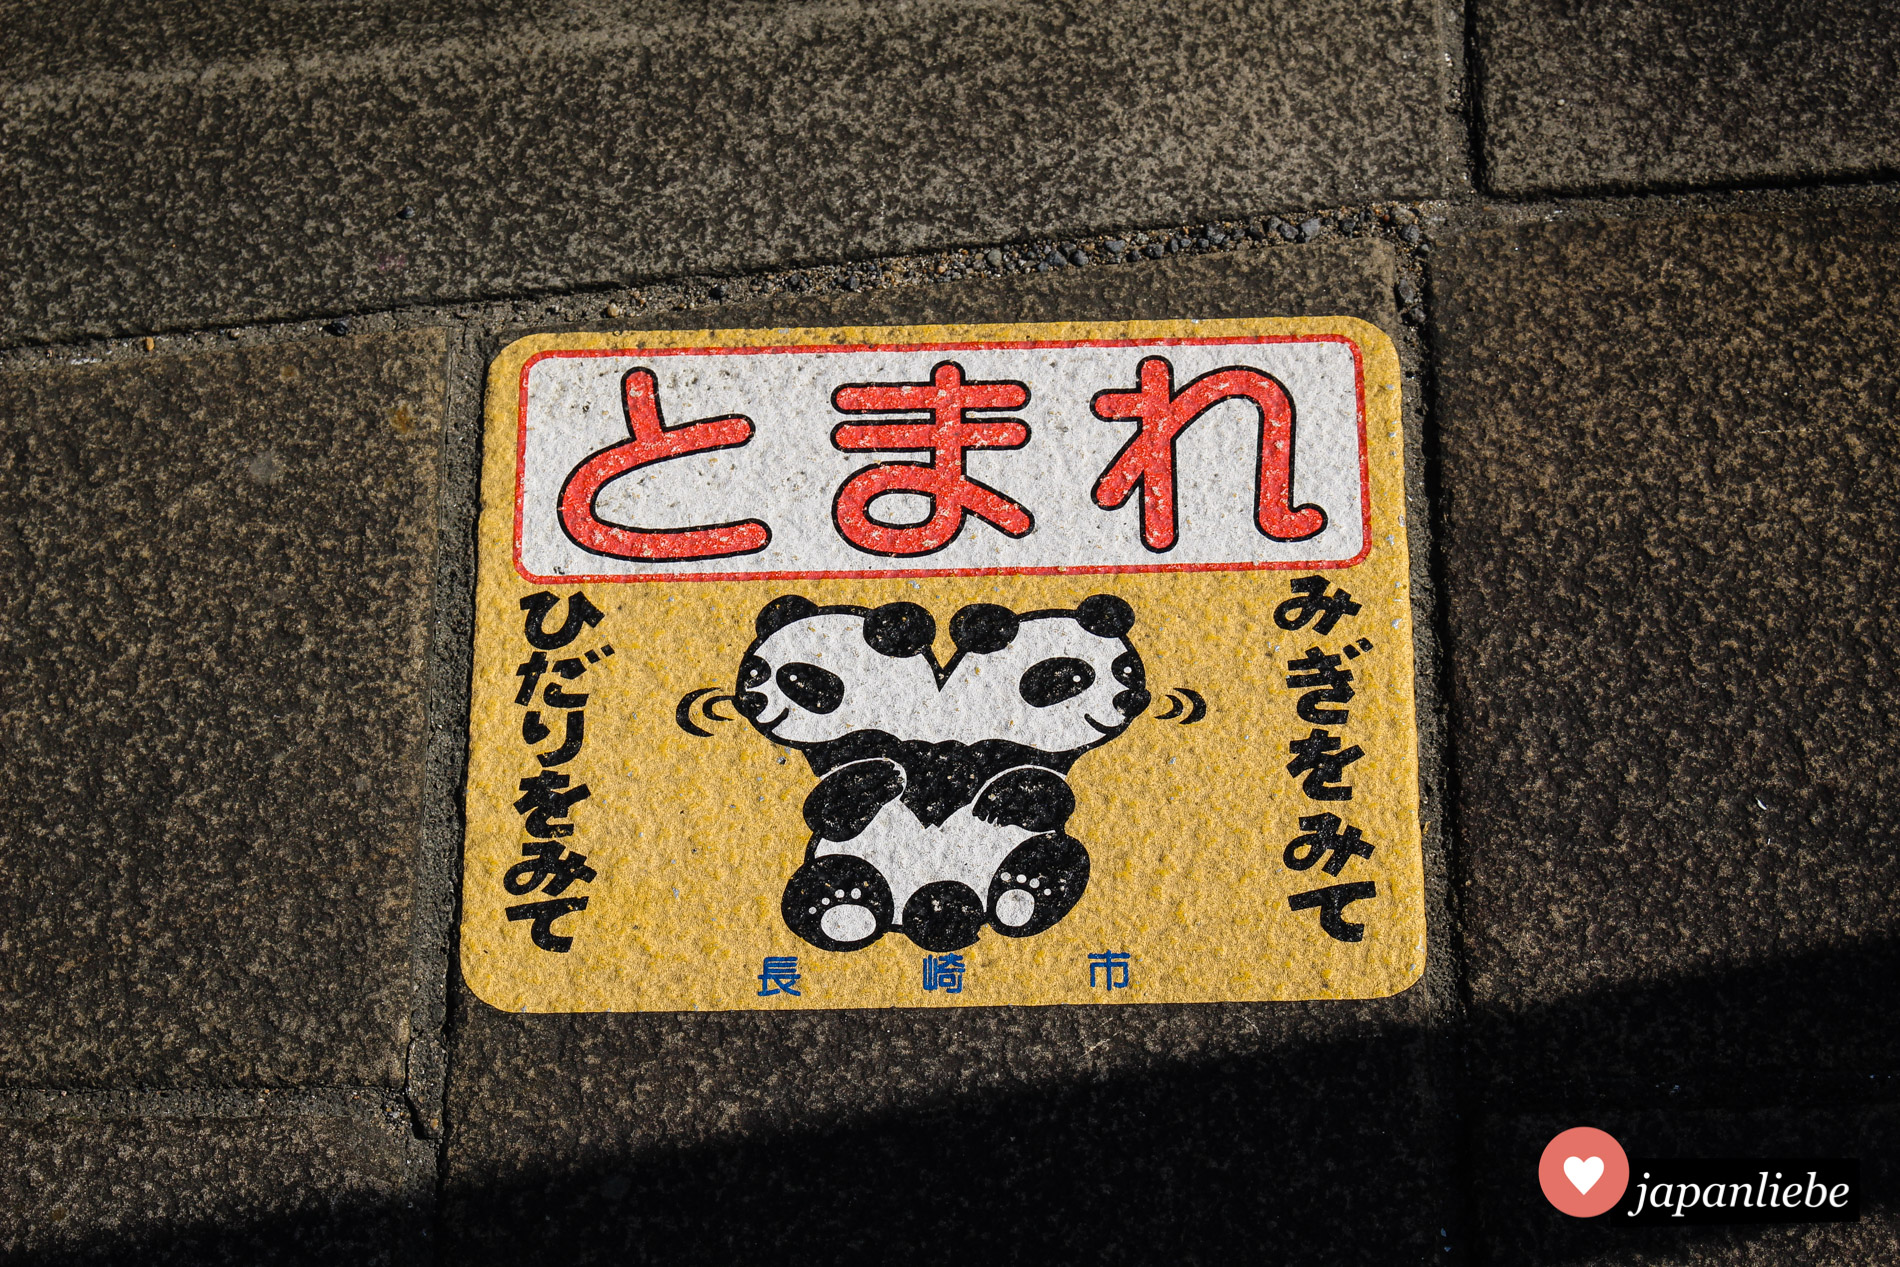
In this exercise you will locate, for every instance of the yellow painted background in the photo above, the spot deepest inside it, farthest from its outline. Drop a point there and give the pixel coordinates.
(694, 839)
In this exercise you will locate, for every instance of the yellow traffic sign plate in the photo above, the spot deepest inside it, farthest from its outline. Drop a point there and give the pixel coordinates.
(943, 665)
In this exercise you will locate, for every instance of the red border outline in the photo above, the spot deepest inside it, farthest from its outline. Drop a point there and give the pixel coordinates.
(1359, 390)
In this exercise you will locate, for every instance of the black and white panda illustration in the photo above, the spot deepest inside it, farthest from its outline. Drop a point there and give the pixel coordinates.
(942, 794)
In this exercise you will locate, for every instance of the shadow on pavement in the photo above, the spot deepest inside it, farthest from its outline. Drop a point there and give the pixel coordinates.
(1313, 1152)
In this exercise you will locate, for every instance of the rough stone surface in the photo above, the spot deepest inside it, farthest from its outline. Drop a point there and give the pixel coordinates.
(1671, 456)
(306, 1189)
(1351, 278)
(237, 161)
(1516, 1226)
(211, 654)
(1007, 1135)
(1016, 1136)
(1671, 92)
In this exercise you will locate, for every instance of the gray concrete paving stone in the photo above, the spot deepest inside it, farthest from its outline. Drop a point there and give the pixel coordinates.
(218, 570)
(1304, 1133)
(1668, 478)
(305, 1189)
(1673, 93)
(1516, 1226)
(1354, 277)
(241, 162)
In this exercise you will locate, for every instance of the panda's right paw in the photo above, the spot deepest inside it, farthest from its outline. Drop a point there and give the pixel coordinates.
(837, 902)
(1038, 883)
(1029, 797)
(846, 800)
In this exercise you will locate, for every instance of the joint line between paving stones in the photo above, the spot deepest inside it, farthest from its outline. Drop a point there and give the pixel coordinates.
(437, 910)
(1443, 974)
(685, 292)
(450, 686)
(689, 291)
(1474, 103)
(701, 289)
(1437, 567)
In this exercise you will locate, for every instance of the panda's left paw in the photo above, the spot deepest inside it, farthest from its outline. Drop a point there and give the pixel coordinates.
(846, 800)
(1029, 797)
(1038, 883)
(837, 901)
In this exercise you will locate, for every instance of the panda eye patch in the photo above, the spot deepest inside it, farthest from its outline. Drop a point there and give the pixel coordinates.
(1128, 671)
(753, 672)
(813, 689)
(1054, 680)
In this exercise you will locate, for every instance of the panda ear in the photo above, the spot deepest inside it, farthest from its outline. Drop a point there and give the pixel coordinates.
(983, 628)
(1105, 616)
(782, 611)
(899, 630)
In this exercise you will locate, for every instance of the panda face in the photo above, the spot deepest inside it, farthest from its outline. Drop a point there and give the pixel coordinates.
(1059, 682)
(1054, 687)
(816, 679)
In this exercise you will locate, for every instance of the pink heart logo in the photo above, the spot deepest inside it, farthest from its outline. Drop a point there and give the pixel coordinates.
(1583, 1172)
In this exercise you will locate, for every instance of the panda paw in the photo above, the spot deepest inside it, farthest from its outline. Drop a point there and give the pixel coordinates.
(837, 902)
(846, 800)
(1038, 883)
(1032, 798)
(944, 915)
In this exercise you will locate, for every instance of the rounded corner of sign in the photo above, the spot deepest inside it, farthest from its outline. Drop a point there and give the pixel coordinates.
(1367, 336)
(1405, 978)
(476, 976)
(1408, 977)
(519, 356)
(527, 346)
